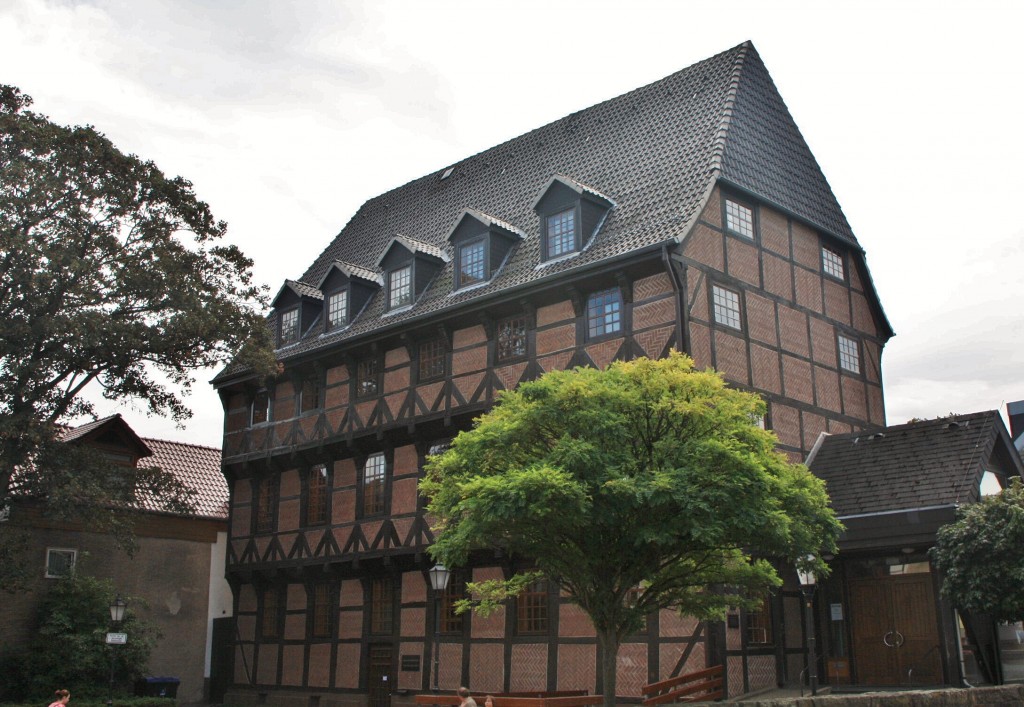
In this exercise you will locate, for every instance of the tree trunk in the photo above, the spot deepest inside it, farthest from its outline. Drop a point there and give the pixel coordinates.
(609, 643)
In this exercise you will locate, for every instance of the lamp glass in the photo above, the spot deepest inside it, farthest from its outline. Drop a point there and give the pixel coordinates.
(439, 575)
(117, 610)
(806, 576)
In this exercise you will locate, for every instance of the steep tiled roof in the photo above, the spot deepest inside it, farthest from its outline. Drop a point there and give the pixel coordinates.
(196, 467)
(916, 465)
(655, 153)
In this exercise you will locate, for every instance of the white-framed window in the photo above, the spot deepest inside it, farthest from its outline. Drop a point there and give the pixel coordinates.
(60, 562)
(739, 218)
(472, 265)
(849, 354)
(374, 478)
(289, 326)
(337, 309)
(604, 313)
(727, 306)
(561, 233)
(260, 411)
(400, 287)
(832, 262)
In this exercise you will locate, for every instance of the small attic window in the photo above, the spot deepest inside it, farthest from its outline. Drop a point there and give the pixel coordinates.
(337, 309)
(739, 218)
(447, 173)
(560, 231)
(570, 214)
(481, 244)
(289, 332)
(400, 287)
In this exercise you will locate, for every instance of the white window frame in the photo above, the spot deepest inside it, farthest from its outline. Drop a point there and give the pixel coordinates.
(50, 551)
(465, 249)
(604, 313)
(337, 317)
(832, 263)
(400, 287)
(726, 307)
(739, 218)
(849, 353)
(566, 245)
(291, 333)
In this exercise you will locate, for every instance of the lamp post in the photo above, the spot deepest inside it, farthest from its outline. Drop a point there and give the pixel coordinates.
(439, 575)
(117, 610)
(807, 582)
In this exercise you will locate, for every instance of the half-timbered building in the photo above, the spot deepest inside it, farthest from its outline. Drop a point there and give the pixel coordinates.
(687, 214)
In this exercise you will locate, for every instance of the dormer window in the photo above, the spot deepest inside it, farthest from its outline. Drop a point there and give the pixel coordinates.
(561, 233)
(482, 243)
(348, 288)
(570, 214)
(289, 326)
(337, 309)
(400, 287)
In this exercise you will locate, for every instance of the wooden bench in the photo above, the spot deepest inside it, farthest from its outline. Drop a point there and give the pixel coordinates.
(703, 685)
(539, 698)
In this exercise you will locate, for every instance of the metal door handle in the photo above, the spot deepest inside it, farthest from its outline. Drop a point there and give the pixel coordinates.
(885, 639)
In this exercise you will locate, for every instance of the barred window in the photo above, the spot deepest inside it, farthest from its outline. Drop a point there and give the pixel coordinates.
(727, 307)
(432, 359)
(321, 610)
(561, 233)
(739, 218)
(310, 394)
(317, 494)
(266, 504)
(604, 313)
(382, 605)
(400, 287)
(452, 622)
(849, 354)
(832, 262)
(337, 309)
(366, 377)
(270, 622)
(511, 338)
(289, 326)
(532, 609)
(374, 477)
(472, 266)
(759, 624)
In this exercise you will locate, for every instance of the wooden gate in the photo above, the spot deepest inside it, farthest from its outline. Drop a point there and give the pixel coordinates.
(379, 674)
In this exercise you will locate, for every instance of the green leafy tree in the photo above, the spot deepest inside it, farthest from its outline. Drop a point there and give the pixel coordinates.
(644, 486)
(69, 649)
(981, 555)
(112, 277)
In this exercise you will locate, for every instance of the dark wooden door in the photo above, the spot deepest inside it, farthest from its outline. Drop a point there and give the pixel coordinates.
(895, 631)
(379, 674)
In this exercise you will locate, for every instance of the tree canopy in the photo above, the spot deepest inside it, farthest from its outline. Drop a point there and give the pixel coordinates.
(643, 486)
(981, 555)
(112, 277)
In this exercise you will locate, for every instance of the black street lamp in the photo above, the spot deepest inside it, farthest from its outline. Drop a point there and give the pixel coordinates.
(439, 575)
(807, 582)
(117, 610)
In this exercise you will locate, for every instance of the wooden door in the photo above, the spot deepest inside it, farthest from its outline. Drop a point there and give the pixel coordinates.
(379, 675)
(895, 631)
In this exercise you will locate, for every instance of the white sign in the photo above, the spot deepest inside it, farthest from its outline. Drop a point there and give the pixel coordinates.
(117, 639)
(837, 612)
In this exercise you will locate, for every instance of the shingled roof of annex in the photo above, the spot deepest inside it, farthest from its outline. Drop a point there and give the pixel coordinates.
(656, 152)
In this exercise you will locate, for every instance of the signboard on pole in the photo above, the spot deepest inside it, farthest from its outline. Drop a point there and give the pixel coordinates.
(117, 639)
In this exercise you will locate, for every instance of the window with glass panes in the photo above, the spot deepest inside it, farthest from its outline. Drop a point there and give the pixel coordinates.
(739, 218)
(849, 354)
(532, 608)
(832, 262)
(400, 287)
(309, 394)
(561, 233)
(471, 263)
(511, 341)
(366, 377)
(432, 359)
(604, 313)
(759, 624)
(270, 622)
(727, 306)
(289, 326)
(260, 408)
(382, 605)
(337, 309)
(321, 610)
(266, 504)
(317, 494)
(374, 477)
(452, 622)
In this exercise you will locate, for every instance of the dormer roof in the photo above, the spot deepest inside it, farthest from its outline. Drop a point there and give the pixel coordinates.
(491, 222)
(415, 247)
(298, 288)
(351, 271)
(578, 187)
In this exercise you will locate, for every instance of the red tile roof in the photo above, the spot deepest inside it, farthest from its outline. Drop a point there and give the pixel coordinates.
(196, 467)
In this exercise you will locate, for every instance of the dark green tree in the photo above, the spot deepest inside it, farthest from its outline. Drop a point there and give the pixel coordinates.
(69, 649)
(981, 555)
(112, 277)
(641, 487)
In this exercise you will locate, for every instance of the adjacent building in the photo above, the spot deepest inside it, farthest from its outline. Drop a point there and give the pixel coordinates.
(686, 214)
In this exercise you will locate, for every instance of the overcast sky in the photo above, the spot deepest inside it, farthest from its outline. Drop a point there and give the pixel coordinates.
(287, 116)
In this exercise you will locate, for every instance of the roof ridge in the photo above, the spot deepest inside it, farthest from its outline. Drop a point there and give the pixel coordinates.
(721, 137)
(182, 444)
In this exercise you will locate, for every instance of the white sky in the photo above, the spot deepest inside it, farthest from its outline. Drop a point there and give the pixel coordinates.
(288, 115)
